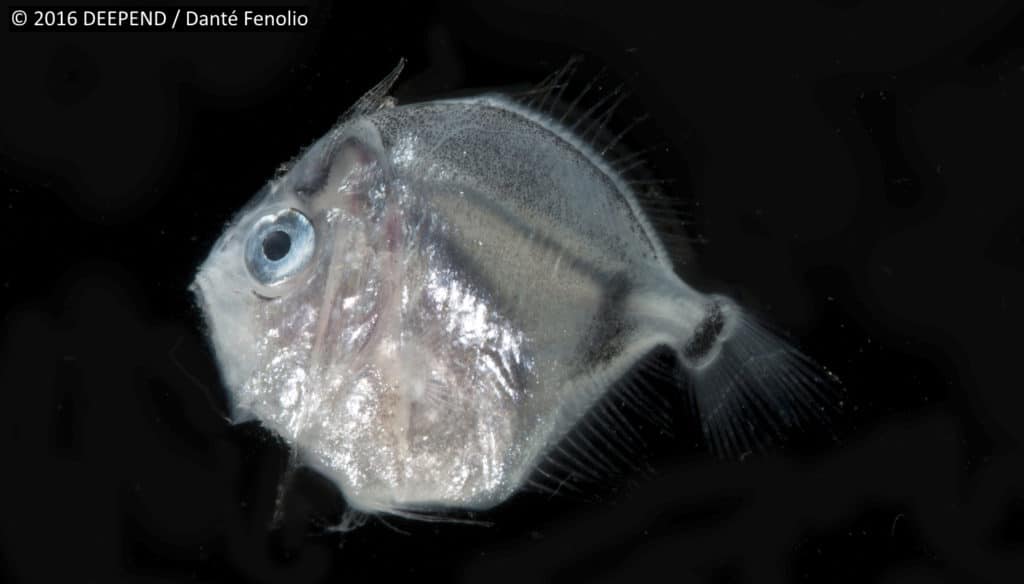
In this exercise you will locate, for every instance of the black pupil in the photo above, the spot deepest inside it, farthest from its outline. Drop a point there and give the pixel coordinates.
(276, 245)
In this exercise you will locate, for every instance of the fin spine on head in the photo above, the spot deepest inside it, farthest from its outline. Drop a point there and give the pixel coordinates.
(377, 95)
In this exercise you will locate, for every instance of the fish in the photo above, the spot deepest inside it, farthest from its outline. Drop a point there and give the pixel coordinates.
(434, 294)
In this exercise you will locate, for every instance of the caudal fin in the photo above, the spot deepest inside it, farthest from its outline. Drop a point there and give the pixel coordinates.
(751, 387)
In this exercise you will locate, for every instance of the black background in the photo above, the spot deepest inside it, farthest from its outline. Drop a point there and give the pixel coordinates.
(854, 169)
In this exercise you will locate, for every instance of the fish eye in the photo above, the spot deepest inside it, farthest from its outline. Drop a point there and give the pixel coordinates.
(280, 245)
(276, 245)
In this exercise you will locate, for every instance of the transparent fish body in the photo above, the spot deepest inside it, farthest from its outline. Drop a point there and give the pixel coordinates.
(435, 293)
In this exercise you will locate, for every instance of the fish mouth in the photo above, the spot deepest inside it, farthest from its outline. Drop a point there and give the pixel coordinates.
(196, 288)
(200, 288)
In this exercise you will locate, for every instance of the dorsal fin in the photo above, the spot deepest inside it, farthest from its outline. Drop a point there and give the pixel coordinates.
(376, 97)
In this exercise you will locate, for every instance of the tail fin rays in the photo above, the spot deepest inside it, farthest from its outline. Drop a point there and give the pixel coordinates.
(754, 388)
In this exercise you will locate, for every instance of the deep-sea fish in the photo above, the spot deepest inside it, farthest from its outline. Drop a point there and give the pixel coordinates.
(433, 294)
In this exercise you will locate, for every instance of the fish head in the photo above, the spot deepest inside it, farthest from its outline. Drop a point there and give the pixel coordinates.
(299, 261)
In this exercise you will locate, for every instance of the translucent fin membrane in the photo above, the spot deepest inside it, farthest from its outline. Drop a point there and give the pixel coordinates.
(610, 444)
(755, 389)
(599, 110)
